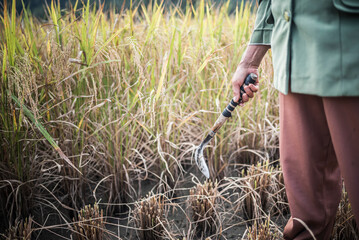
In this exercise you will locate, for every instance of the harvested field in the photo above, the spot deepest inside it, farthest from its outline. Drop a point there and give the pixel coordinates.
(101, 111)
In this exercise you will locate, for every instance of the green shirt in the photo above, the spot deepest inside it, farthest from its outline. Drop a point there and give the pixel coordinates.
(315, 44)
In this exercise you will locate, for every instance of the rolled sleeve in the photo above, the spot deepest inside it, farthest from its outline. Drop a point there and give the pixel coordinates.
(264, 23)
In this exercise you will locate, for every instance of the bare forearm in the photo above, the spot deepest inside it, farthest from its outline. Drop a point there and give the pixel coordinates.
(253, 55)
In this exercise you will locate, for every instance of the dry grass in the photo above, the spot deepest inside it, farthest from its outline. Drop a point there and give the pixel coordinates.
(345, 226)
(261, 230)
(22, 230)
(89, 224)
(257, 181)
(263, 191)
(203, 203)
(149, 215)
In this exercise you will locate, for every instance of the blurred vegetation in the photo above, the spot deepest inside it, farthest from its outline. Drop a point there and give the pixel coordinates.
(37, 7)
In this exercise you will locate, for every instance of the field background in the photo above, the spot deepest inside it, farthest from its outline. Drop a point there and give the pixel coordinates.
(37, 7)
(102, 107)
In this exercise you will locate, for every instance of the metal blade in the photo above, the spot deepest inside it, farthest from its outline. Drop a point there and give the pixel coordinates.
(198, 155)
(201, 163)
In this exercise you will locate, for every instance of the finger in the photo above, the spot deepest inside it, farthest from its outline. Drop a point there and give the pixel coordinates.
(254, 88)
(236, 91)
(245, 97)
(248, 91)
(236, 98)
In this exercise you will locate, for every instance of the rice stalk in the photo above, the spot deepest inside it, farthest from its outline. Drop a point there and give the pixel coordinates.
(54, 11)
(203, 202)
(22, 229)
(149, 216)
(9, 23)
(345, 226)
(263, 192)
(126, 95)
(89, 223)
(17, 173)
(261, 230)
(256, 189)
(48, 137)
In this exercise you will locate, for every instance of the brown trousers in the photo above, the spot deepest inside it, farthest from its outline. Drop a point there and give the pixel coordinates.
(319, 143)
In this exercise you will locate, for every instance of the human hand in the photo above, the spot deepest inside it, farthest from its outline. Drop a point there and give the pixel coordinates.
(243, 70)
(249, 64)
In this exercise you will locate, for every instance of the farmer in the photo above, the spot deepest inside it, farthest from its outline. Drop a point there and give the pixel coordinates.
(315, 47)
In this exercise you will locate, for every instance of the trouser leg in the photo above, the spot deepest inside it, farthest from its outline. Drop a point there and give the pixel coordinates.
(343, 121)
(310, 168)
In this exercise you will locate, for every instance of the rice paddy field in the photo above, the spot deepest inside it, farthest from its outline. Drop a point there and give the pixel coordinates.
(100, 114)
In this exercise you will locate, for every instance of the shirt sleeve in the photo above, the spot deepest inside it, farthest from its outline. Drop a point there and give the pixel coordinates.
(264, 23)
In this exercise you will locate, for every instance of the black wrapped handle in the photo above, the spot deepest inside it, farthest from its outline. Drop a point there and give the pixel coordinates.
(250, 79)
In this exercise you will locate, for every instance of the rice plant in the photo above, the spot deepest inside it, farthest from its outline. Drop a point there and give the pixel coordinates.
(261, 230)
(203, 203)
(149, 217)
(256, 189)
(22, 229)
(16, 185)
(96, 105)
(280, 206)
(345, 226)
(89, 224)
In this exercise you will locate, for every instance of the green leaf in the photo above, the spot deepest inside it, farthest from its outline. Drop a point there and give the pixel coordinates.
(45, 133)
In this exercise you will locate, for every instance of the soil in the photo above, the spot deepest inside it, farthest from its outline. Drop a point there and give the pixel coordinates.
(120, 226)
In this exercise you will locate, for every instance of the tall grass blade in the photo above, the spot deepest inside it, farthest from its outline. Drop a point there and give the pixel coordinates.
(44, 132)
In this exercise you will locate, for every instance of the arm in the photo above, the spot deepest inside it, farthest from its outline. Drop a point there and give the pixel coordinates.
(251, 59)
(257, 48)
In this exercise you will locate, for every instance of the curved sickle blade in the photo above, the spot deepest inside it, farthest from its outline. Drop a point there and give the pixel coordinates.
(201, 163)
(199, 158)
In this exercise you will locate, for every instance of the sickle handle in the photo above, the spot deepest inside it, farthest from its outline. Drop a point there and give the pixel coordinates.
(227, 113)
(250, 79)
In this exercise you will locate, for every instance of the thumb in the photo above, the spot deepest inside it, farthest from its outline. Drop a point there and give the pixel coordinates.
(236, 92)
